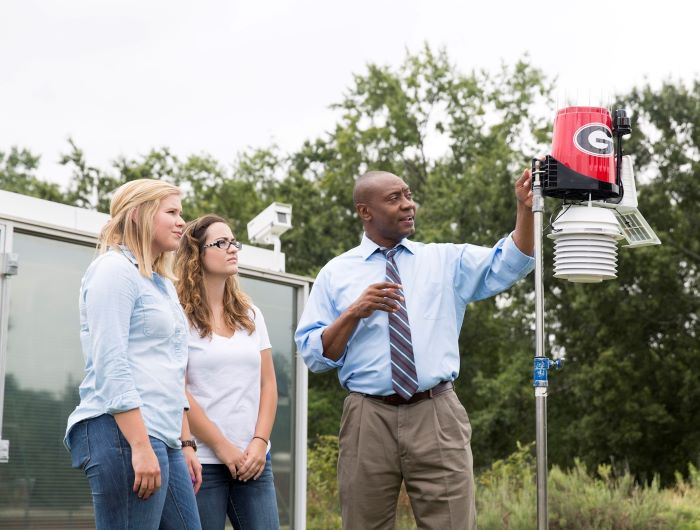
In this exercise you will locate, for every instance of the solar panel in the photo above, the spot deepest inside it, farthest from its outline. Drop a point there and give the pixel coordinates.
(637, 231)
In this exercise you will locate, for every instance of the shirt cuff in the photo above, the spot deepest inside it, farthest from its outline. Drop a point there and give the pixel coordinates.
(316, 346)
(127, 401)
(516, 259)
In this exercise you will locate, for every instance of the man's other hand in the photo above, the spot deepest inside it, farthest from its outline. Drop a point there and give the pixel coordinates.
(382, 296)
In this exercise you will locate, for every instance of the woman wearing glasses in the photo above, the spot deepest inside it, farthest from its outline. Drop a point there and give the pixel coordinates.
(126, 432)
(231, 383)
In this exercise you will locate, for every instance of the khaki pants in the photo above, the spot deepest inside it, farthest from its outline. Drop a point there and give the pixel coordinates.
(426, 444)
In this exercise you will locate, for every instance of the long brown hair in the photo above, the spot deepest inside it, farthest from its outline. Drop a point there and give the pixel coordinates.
(191, 288)
(132, 209)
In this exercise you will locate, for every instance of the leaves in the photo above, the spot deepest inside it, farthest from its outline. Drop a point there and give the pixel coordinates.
(17, 174)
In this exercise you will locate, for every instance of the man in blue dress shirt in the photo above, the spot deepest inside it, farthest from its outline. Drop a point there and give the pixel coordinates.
(387, 316)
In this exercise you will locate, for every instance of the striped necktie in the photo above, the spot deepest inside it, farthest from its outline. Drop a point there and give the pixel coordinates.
(403, 368)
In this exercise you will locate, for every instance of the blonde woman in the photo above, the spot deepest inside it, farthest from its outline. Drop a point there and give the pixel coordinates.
(230, 381)
(126, 432)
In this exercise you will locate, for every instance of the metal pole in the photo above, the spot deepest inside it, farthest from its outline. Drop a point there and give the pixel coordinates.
(541, 364)
(541, 442)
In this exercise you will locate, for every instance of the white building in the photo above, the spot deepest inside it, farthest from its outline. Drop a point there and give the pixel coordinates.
(45, 248)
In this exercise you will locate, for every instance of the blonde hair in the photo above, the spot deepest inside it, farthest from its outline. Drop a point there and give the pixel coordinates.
(191, 288)
(133, 208)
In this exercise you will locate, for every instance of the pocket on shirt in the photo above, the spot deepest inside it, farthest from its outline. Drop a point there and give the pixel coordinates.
(433, 309)
(158, 320)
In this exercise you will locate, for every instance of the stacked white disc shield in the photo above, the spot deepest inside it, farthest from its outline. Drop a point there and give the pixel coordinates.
(585, 244)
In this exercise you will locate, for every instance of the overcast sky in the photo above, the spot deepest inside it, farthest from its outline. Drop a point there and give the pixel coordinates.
(218, 76)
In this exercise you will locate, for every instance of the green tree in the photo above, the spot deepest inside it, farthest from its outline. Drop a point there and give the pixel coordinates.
(18, 174)
(89, 187)
(207, 186)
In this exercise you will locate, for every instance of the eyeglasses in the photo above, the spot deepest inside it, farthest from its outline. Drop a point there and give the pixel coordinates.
(225, 244)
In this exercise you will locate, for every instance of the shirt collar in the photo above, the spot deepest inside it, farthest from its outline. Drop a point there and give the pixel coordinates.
(368, 247)
(129, 255)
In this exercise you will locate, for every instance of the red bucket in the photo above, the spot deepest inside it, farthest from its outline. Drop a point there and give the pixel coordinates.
(583, 141)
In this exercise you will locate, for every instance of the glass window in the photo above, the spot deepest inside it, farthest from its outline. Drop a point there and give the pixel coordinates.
(277, 303)
(43, 370)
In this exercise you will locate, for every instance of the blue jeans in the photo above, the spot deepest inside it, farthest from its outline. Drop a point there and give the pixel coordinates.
(99, 448)
(249, 505)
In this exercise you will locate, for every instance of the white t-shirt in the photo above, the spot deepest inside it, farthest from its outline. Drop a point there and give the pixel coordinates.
(223, 375)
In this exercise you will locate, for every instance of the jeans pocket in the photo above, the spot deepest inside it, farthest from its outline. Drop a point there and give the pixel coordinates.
(79, 445)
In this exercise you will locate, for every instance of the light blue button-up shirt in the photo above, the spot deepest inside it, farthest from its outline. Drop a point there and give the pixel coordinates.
(439, 280)
(134, 339)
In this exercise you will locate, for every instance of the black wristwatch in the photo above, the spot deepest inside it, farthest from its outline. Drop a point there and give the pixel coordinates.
(189, 443)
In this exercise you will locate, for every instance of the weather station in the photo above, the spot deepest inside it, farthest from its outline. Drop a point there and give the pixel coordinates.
(588, 172)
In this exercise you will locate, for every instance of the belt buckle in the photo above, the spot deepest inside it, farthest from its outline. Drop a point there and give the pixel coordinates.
(396, 400)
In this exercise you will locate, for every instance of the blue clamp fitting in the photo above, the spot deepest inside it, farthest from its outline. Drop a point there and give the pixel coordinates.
(541, 368)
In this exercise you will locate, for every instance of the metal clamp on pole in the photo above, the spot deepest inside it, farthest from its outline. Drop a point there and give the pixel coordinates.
(541, 370)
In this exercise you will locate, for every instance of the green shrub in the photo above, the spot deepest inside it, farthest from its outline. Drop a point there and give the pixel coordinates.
(507, 496)
(322, 509)
(578, 500)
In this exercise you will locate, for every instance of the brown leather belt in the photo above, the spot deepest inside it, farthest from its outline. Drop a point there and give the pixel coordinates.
(395, 399)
